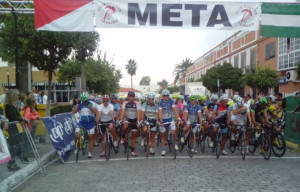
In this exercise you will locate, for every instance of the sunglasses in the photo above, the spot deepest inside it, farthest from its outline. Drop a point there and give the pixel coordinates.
(130, 95)
(105, 100)
(150, 99)
(165, 95)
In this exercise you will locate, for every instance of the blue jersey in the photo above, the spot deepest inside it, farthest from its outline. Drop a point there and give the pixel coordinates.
(167, 108)
(87, 118)
(116, 108)
(192, 111)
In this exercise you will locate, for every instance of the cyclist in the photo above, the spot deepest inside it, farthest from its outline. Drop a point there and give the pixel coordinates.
(166, 108)
(116, 106)
(259, 111)
(240, 114)
(221, 116)
(130, 117)
(86, 111)
(271, 111)
(106, 118)
(149, 115)
(192, 115)
(98, 101)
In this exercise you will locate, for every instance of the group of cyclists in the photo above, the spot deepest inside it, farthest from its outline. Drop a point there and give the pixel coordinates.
(166, 113)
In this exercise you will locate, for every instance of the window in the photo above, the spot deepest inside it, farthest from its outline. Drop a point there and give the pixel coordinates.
(253, 57)
(236, 61)
(270, 50)
(243, 61)
(289, 53)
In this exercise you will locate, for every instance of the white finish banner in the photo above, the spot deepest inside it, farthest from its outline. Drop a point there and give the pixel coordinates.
(177, 14)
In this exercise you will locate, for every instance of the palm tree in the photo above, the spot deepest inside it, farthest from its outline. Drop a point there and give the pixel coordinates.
(181, 68)
(131, 67)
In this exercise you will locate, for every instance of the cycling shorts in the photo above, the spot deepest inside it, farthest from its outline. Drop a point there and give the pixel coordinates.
(132, 124)
(89, 131)
(103, 127)
(170, 126)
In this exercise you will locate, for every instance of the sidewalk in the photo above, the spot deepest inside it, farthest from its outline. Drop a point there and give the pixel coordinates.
(293, 146)
(10, 179)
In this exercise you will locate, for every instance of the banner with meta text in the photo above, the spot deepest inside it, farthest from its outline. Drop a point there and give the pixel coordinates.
(61, 128)
(177, 14)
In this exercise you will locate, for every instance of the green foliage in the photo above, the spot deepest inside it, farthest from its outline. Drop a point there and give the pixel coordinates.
(101, 75)
(229, 77)
(131, 67)
(173, 89)
(145, 80)
(261, 79)
(181, 68)
(164, 83)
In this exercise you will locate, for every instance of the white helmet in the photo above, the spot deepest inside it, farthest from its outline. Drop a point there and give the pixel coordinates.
(224, 97)
(151, 96)
(239, 101)
(235, 97)
(165, 92)
(214, 97)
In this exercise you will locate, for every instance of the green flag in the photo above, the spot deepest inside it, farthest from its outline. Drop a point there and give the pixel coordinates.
(280, 20)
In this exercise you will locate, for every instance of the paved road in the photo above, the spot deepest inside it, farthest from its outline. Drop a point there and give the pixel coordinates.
(203, 172)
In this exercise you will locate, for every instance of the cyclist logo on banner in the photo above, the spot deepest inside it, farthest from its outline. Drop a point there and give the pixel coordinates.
(61, 130)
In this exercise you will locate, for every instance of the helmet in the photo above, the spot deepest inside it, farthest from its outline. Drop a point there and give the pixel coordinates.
(98, 99)
(91, 97)
(193, 97)
(224, 97)
(165, 92)
(175, 96)
(271, 97)
(105, 98)
(131, 94)
(214, 97)
(202, 97)
(181, 97)
(84, 96)
(114, 96)
(263, 100)
(239, 101)
(235, 97)
(151, 96)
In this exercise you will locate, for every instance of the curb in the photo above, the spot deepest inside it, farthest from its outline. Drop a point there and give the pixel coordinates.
(10, 183)
(293, 146)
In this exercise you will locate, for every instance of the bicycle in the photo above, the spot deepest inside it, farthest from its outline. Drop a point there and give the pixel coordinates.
(277, 139)
(187, 140)
(260, 138)
(147, 139)
(127, 139)
(170, 140)
(81, 143)
(240, 141)
(108, 140)
(201, 136)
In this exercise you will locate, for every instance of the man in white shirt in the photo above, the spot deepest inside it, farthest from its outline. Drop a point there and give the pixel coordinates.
(45, 97)
(2, 97)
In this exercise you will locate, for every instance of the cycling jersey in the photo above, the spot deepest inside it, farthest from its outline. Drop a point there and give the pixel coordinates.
(271, 110)
(180, 108)
(221, 113)
(167, 108)
(203, 107)
(150, 111)
(105, 112)
(192, 111)
(258, 110)
(116, 108)
(242, 116)
(87, 118)
(131, 109)
(210, 108)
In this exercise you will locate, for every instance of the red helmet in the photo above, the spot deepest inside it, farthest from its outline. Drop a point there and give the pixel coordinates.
(105, 98)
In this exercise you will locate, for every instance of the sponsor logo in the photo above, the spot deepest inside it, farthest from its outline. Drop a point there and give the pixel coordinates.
(107, 12)
(246, 14)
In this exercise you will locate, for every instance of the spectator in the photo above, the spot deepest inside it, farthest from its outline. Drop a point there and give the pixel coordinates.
(40, 97)
(45, 97)
(32, 115)
(2, 97)
(14, 139)
(35, 95)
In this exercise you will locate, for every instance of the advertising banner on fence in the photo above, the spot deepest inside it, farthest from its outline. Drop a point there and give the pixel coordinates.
(61, 129)
(178, 14)
(4, 152)
(292, 120)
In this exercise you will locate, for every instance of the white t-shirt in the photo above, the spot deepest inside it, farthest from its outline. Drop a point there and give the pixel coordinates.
(241, 118)
(105, 112)
(45, 97)
(2, 98)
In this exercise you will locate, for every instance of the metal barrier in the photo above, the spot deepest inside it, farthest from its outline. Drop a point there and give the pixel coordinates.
(21, 143)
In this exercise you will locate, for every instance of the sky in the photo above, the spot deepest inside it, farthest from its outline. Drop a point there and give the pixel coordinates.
(157, 51)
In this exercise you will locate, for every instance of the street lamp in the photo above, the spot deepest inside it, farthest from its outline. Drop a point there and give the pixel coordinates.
(7, 73)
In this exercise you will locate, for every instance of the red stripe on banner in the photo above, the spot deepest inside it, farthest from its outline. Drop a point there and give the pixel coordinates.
(47, 11)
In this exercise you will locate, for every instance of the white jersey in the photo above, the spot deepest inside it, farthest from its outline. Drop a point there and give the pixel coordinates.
(105, 112)
(241, 117)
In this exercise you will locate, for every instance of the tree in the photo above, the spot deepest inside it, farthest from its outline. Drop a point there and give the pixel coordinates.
(145, 80)
(261, 79)
(181, 68)
(101, 75)
(131, 67)
(229, 78)
(164, 84)
(173, 89)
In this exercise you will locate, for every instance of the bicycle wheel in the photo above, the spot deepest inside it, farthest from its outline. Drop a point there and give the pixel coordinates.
(84, 148)
(228, 138)
(173, 145)
(266, 146)
(147, 144)
(218, 147)
(107, 146)
(202, 142)
(243, 144)
(127, 147)
(253, 143)
(278, 145)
